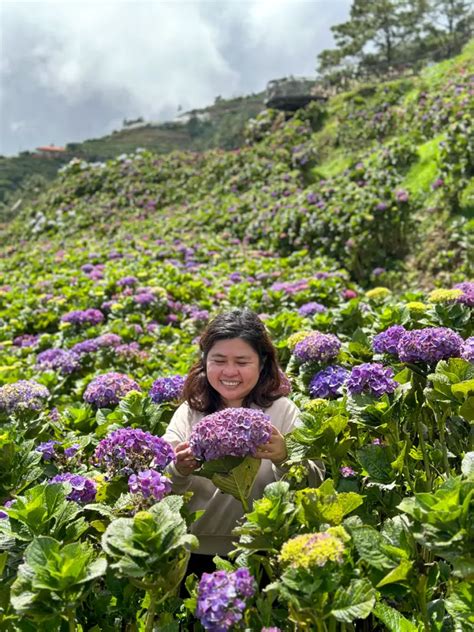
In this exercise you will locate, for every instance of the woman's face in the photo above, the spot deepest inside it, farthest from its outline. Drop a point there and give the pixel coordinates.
(233, 369)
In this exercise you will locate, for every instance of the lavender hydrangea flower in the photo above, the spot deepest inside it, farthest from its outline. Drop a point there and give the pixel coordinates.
(317, 347)
(165, 389)
(60, 360)
(7, 504)
(221, 598)
(131, 450)
(467, 287)
(85, 347)
(230, 432)
(26, 340)
(22, 395)
(127, 281)
(144, 298)
(83, 489)
(108, 389)
(387, 341)
(72, 450)
(372, 378)
(108, 340)
(309, 309)
(328, 382)
(149, 483)
(130, 351)
(83, 317)
(467, 349)
(47, 449)
(347, 472)
(429, 345)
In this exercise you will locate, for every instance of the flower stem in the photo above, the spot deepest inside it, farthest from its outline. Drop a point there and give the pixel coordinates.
(150, 616)
(71, 618)
(442, 437)
(426, 462)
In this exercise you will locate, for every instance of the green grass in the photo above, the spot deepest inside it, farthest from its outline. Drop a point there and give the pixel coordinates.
(422, 174)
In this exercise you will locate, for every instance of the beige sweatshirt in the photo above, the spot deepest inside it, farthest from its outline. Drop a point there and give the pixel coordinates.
(222, 511)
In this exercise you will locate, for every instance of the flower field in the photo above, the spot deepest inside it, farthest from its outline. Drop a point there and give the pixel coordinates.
(107, 280)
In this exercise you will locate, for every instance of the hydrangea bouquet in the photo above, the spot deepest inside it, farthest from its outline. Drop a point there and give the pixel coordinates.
(226, 442)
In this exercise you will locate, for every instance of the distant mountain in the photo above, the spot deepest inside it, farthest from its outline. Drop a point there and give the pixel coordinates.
(220, 125)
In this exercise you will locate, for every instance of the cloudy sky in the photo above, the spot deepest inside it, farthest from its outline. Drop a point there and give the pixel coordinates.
(71, 70)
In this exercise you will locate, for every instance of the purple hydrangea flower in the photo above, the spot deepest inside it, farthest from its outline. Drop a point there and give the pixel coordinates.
(83, 489)
(108, 389)
(72, 450)
(290, 287)
(467, 287)
(149, 483)
(7, 504)
(429, 345)
(347, 472)
(165, 389)
(65, 362)
(26, 340)
(221, 598)
(402, 195)
(108, 340)
(230, 432)
(47, 449)
(199, 315)
(130, 351)
(83, 317)
(467, 349)
(84, 347)
(22, 395)
(309, 309)
(372, 378)
(144, 298)
(317, 347)
(127, 281)
(131, 450)
(328, 382)
(387, 341)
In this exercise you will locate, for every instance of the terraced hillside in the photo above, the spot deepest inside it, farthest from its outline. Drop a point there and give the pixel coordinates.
(346, 228)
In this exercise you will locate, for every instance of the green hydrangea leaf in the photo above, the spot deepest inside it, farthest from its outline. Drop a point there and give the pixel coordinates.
(393, 620)
(398, 574)
(355, 601)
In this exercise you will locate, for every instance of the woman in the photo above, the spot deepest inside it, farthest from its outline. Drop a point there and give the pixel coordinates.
(238, 368)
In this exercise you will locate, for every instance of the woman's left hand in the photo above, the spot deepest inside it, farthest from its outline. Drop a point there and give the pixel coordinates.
(275, 449)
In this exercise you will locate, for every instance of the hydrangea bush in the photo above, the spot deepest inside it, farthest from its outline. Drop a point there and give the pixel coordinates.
(108, 389)
(131, 450)
(222, 597)
(22, 396)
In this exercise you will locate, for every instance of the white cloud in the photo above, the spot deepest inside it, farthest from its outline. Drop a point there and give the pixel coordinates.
(109, 60)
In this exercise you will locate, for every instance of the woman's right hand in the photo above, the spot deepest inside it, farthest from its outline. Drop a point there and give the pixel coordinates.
(185, 461)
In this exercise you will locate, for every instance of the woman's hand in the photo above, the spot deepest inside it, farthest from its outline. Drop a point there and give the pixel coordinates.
(185, 461)
(275, 449)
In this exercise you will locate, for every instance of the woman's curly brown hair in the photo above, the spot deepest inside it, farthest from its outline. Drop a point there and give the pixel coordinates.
(246, 325)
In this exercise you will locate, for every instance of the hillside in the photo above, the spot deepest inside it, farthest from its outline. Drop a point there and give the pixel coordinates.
(347, 229)
(377, 178)
(218, 125)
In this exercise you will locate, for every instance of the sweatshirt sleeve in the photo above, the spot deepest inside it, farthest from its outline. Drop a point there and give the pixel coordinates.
(177, 432)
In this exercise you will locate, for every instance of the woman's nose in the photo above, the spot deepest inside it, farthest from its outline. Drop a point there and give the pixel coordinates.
(229, 369)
